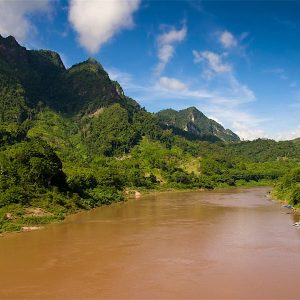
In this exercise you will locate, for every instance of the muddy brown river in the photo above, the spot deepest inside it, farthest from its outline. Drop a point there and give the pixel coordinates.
(232, 244)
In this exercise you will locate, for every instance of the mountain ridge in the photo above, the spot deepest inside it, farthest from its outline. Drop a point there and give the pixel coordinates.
(195, 122)
(30, 79)
(42, 77)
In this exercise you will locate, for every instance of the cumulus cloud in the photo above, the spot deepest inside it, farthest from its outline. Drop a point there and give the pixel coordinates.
(172, 84)
(166, 46)
(213, 61)
(15, 16)
(228, 40)
(97, 21)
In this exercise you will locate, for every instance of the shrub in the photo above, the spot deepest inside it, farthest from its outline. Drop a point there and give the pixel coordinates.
(14, 194)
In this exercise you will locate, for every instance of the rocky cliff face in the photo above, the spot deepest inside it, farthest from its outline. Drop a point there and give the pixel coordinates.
(193, 121)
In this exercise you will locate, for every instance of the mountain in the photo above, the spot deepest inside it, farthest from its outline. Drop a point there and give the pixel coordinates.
(33, 78)
(194, 122)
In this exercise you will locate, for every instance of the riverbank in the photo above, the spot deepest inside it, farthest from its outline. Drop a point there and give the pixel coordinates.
(273, 196)
(17, 218)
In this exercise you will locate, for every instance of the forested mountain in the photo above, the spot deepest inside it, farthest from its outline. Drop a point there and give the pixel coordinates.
(193, 121)
(70, 139)
(30, 79)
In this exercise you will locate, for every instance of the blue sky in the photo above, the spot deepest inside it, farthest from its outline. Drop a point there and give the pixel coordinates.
(237, 61)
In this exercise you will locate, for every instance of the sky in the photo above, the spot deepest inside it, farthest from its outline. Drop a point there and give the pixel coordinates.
(236, 61)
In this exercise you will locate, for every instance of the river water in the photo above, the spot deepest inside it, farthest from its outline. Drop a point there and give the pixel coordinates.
(233, 244)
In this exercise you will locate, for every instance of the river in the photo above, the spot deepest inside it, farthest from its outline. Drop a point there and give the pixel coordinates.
(229, 244)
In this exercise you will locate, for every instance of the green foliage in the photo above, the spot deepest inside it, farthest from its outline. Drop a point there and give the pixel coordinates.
(14, 194)
(9, 227)
(111, 133)
(81, 182)
(30, 79)
(106, 196)
(262, 150)
(288, 187)
(12, 102)
(34, 162)
(70, 139)
(295, 196)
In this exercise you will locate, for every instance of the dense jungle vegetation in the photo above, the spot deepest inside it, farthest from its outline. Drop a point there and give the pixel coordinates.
(70, 139)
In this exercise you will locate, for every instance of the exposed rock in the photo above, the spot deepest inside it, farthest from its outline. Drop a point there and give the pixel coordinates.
(97, 112)
(30, 228)
(9, 216)
(137, 195)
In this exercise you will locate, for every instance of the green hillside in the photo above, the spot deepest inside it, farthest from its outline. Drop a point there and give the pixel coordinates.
(31, 79)
(70, 139)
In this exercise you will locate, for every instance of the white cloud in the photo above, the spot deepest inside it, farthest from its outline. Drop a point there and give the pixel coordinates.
(213, 62)
(15, 16)
(97, 21)
(248, 133)
(168, 92)
(164, 88)
(246, 125)
(172, 84)
(230, 90)
(165, 53)
(290, 135)
(215, 119)
(240, 90)
(228, 40)
(166, 46)
(172, 36)
(126, 80)
(172, 88)
(120, 76)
